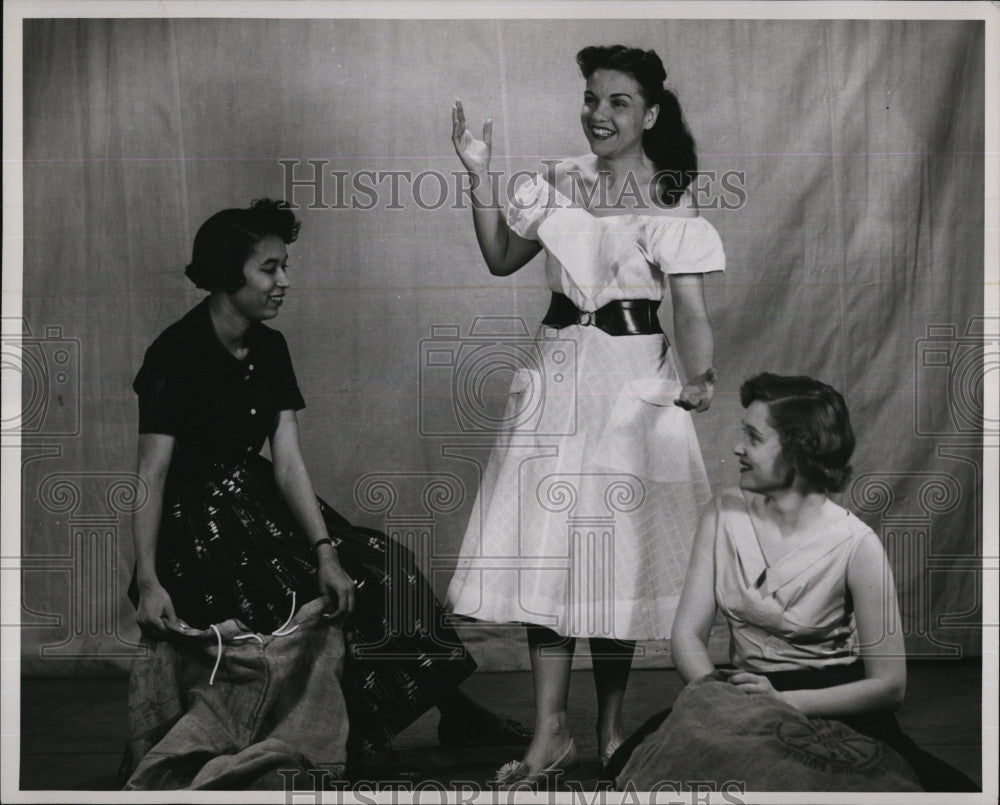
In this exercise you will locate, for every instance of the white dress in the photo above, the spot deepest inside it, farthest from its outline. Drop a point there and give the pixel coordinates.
(590, 499)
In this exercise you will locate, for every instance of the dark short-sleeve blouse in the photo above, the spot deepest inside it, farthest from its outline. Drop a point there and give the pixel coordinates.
(217, 407)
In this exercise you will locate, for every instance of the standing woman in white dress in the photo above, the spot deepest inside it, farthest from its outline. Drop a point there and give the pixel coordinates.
(590, 499)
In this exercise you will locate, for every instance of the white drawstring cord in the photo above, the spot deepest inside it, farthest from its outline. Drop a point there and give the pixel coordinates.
(280, 631)
(218, 657)
(218, 637)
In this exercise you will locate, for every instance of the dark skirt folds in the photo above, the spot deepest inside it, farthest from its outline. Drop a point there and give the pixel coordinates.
(934, 774)
(230, 547)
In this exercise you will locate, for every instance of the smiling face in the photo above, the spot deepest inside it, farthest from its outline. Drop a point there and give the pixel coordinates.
(763, 466)
(615, 114)
(266, 281)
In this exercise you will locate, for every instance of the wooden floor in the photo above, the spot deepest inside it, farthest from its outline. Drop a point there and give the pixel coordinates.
(73, 730)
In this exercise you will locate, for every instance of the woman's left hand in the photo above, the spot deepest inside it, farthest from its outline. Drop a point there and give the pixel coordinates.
(753, 683)
(336, 587)
(475, 154)
(696, 394)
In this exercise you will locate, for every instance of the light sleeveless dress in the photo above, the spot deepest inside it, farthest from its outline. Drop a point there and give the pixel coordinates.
(590, 499)
(795, 613)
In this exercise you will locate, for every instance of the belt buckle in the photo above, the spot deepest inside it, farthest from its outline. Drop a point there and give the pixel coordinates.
(586, 318)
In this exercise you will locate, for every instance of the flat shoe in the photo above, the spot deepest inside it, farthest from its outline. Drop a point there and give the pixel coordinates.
(605, 754)
(517, 774)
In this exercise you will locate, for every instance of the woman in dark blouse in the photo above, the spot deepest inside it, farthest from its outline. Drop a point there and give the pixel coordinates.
(227, 534)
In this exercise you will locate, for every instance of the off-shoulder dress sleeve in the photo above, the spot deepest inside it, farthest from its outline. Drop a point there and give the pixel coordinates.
(529, 206)
(684, 245)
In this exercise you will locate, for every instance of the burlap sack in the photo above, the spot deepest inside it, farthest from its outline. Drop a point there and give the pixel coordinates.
(719, 735)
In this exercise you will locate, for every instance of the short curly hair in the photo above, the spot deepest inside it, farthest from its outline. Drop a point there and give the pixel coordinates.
(813, 425)
(225, 242)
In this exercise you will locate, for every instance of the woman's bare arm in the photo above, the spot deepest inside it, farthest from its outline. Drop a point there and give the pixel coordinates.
(295, 486)
(696, 611)
(155, 612)
(504, 251)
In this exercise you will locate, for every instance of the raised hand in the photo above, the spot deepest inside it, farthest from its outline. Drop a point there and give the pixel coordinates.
(475, 154)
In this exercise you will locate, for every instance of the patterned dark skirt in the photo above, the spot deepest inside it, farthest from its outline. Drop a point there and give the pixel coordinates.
(230, 547)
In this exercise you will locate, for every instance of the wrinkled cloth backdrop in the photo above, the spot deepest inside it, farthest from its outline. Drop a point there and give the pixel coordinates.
(855, 255)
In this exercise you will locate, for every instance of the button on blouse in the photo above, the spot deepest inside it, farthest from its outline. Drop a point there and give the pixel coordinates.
(192, 388)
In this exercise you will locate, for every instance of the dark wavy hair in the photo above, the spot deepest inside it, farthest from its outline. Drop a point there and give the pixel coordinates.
(225, 242)
(813, 426)
(668, 143)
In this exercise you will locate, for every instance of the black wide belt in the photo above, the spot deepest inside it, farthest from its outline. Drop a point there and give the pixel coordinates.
(620, 317)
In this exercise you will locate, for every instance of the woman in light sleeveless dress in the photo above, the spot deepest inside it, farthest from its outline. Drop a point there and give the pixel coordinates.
(804, 585)
(590, 498)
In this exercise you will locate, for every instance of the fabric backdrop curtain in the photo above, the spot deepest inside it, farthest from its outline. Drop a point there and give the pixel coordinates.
(851, 213)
